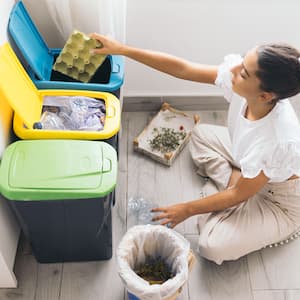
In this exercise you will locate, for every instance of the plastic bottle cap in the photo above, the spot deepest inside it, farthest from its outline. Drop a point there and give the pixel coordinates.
(37, 125)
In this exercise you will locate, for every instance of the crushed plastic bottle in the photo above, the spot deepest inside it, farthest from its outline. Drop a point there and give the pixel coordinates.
(49, 120)
(140, 208)
(67, 119)
(92, 123)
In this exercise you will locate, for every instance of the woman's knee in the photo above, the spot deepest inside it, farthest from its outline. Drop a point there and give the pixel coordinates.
(210, 252)
(199, 142)
(218, 251)
(199, 132)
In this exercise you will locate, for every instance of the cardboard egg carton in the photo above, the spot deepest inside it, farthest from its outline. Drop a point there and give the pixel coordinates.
(171, 120)
(75, 59)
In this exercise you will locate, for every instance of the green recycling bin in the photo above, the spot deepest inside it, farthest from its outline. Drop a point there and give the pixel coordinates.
(62, 192)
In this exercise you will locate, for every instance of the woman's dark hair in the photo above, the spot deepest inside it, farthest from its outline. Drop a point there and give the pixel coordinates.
(279, 70)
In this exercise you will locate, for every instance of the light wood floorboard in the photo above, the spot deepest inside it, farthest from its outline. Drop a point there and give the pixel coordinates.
(26, 270)
(269, 274)
(277, 295)
(49, 280)
(229, 281)
(276, 268)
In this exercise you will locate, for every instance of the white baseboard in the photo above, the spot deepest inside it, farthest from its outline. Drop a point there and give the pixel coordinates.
(181, 102)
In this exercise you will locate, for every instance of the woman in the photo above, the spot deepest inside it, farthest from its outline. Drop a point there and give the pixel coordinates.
(255, 163)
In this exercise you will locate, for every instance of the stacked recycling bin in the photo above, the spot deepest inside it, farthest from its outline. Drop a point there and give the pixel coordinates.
(38, 60)
(62, 192)
(59, 182)
(30, 45)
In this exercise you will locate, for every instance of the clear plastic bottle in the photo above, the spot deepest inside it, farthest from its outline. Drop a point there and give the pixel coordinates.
(49, 120)
(68, 122)
(140, 208)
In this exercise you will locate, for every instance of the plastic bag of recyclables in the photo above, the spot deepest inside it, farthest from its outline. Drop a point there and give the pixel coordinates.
(143, 241)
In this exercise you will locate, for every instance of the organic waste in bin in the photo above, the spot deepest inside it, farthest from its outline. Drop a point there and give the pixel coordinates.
(160, 244)
(154, 270)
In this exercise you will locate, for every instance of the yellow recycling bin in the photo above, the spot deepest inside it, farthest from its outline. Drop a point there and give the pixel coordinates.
(27, 101)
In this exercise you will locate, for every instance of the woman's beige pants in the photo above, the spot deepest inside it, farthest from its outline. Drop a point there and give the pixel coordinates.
(270, 216)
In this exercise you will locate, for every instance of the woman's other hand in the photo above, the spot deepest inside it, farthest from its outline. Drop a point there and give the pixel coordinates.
(171, 215)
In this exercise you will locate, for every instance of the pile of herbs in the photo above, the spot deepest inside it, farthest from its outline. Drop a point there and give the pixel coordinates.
(166, 139)
(154, 270)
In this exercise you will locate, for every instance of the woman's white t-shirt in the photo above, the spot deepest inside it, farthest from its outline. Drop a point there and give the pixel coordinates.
(270, 144)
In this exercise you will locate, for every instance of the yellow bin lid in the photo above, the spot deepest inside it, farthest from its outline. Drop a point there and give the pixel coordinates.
(17, 88)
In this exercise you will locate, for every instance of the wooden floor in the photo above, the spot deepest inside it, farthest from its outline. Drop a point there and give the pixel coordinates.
(263, 275)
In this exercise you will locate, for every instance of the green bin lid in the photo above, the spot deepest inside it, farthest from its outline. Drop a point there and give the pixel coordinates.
(57, 170)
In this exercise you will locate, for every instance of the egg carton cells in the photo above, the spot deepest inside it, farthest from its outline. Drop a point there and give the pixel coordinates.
(76, 60)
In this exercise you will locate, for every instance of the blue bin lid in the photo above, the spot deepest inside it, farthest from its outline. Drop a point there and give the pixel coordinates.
(29, 41)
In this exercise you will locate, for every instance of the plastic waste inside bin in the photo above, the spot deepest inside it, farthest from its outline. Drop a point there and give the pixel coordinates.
(72, 113)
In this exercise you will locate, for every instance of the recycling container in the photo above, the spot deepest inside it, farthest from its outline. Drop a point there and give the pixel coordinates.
(39, 59)
(61, 192)
(142, 242)
(27, 101)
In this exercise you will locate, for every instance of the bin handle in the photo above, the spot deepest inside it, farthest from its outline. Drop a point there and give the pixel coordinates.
(76, 175)
(110, 112)
(105, 168)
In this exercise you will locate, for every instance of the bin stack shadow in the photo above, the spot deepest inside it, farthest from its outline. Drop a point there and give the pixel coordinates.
(60, 183)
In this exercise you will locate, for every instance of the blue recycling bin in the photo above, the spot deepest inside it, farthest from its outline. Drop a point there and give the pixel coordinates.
(132, 297)
(38, 59)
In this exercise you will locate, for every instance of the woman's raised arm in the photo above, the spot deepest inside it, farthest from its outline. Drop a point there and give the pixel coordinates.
(163, 62)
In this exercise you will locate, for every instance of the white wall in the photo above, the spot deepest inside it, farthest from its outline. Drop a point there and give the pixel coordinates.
(39, 13)
(202, 31)
(6, 112)
(9, 229)
(5, 7)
